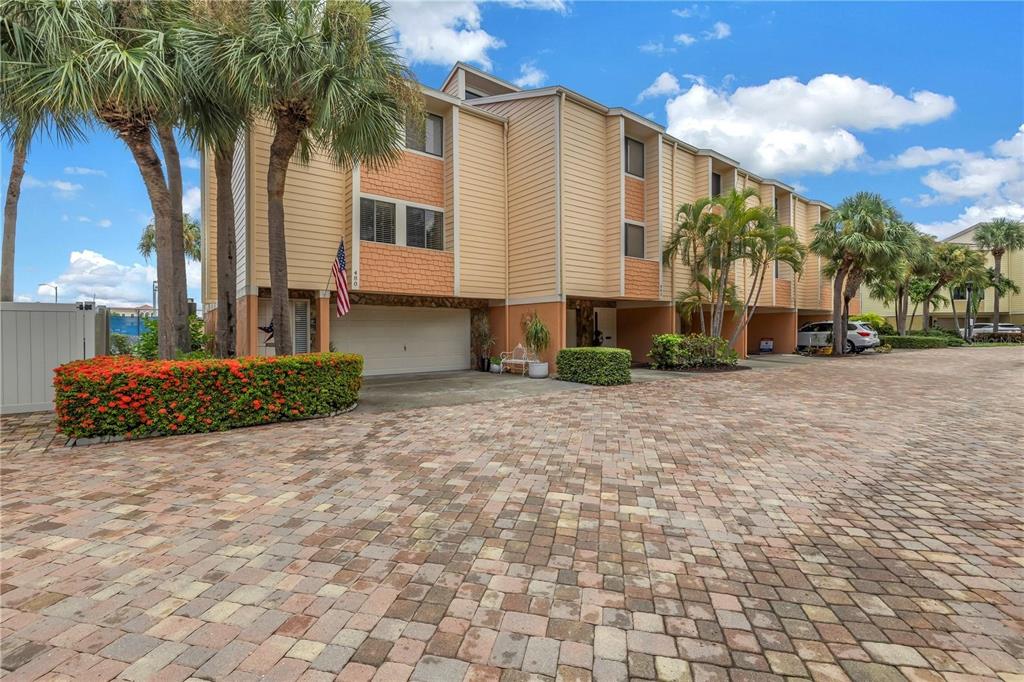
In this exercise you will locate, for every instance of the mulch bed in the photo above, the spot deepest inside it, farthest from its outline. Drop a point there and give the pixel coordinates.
(704, 370)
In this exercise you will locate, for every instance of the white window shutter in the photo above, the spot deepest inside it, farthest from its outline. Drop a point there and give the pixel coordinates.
(301, 326)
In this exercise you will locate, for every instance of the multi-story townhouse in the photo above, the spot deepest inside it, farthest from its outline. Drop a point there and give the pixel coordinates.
(1011, 306)
(510, 203)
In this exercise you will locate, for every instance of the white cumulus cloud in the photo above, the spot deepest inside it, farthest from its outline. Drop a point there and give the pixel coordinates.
(82, 170)
(657, 48)
(445, 32)
(992, 183)
(62, 189)
(192, 202)
(665, 84)
(90, 274)
(685, 39)
(190, 162)
(788, 126)
(719, 31)
(530, 76)
(442, 32)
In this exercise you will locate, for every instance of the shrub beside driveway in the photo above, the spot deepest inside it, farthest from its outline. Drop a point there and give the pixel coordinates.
(130, 398)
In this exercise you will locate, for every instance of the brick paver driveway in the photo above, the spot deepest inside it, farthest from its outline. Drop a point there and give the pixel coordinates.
(856, 517)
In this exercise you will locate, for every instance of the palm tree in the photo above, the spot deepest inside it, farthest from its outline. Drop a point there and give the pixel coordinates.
(217, 114)
(953, 263)
(891, 282)
(724, 246)
(112, 61)
(329, 79)
(21, 44)
(862, 231)
(685, 243)
(997, 237)
(765, 243)
(193, 236)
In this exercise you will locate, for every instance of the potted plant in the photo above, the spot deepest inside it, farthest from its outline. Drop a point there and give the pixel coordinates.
(482, 342)
(538, 338)
(485, 347)
(495, 364)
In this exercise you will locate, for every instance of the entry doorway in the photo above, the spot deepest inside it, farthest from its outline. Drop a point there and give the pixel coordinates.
(605, 327)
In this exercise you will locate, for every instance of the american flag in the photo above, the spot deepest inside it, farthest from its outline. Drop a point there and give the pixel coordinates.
(338, 270)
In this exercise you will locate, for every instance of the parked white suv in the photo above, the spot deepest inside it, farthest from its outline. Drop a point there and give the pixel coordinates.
(986, 328)
(859, 336)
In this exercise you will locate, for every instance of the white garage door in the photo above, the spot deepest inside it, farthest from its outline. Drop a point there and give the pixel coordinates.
(396, 340)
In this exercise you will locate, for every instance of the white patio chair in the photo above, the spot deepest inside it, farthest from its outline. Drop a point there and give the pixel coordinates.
(516, 361)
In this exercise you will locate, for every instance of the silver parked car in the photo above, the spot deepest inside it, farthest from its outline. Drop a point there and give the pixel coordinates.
(859, 336)
(986, 328)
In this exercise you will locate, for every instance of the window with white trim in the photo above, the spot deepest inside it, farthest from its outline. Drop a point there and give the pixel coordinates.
(424, 228)
(376, 221)
(426, 135)
(634, 240)
(634, 157)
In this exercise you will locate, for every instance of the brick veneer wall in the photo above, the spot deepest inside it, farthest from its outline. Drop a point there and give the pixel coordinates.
(416, 178)
(634, 199)
(405, 270)
(641, 278)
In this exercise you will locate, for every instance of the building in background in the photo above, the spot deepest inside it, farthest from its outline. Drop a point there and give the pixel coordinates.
(1011, 306)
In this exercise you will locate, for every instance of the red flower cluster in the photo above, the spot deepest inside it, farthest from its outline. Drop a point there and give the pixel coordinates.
(123, 396)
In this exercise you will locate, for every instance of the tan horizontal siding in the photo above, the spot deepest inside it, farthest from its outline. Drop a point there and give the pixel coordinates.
(584, 199)
(614, 205)
(532, 127)
(209, 230)
(652, 174)
(315, 216)
(481, 207)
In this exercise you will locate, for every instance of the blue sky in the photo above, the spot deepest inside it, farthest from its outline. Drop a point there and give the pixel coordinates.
(922, 102)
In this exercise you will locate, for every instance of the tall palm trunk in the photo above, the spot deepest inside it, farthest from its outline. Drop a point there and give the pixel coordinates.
(902, 301)
(223, 165)
(286, 139)
(926, 307)
(997, 256)
(952, 304)
(853, 281)
(11, 217)
(838, 282)
(137, 137)
(179, 283)
(718, 318)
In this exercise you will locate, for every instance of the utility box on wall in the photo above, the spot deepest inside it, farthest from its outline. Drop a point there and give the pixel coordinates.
(767, 345)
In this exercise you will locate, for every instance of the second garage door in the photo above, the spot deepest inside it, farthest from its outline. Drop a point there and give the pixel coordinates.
(397, 340)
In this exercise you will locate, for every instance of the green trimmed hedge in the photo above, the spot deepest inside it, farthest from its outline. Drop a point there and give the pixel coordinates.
(916, 341)
(1001, 337)
(676, 351)
(597, 366)
(131, 398)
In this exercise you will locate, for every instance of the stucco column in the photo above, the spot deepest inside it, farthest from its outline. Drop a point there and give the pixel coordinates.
(246, 332)
(322, 342)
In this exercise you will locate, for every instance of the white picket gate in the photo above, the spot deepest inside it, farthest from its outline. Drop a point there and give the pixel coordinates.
(34, 339)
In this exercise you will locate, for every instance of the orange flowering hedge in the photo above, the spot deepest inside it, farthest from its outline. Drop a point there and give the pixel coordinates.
(124, 396)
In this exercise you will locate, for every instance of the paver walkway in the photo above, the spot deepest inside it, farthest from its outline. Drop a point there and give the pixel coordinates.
(830, 520)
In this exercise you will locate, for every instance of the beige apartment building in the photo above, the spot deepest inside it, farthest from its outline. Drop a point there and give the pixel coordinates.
(508, 203)
(1011, 306)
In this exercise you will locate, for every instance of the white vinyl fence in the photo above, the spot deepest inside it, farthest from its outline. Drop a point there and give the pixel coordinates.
(34, 339)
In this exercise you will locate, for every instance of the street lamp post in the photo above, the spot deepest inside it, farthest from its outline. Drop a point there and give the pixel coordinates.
(154, 298)
(969, 324)
(54, 286)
